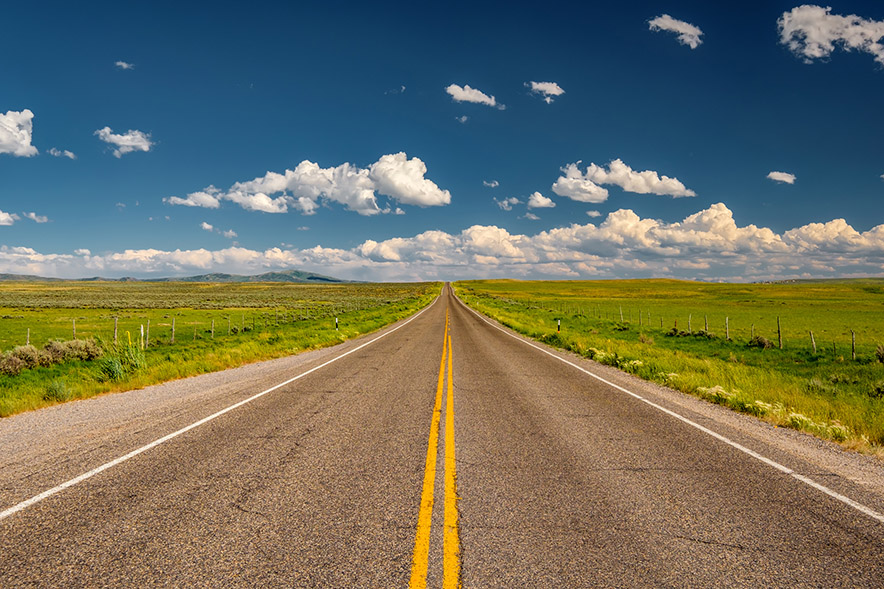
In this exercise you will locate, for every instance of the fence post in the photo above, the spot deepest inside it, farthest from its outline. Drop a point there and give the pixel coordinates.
(727, 328)
(173, 330)
(853, 344)
(142, 336)
(558, 325)
(690, 330)
(336, 323)
(812, 342)
(752, 332)
(75, 328)
(115, 330)
(28, 340)
(147, 336)
(621, 313)
(779, 334)
(228, 325)
(705, 323)
(213, 329)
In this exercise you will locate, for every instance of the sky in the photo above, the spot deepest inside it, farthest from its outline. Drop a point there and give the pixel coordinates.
(401, 141)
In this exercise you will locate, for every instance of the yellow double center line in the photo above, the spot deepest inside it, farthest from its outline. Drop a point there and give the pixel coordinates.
(450, 536)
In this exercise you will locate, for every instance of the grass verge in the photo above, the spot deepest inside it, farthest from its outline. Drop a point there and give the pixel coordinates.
(827, 395)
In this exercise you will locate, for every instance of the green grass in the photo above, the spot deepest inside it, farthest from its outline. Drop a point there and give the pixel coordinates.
(826, 392)
(265, 321)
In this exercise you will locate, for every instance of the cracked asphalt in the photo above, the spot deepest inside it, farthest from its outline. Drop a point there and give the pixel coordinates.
(562, 481)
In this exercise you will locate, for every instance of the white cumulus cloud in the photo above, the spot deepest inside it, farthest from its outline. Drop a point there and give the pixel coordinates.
(206, 226)
(495, 183)
(36, 218)
(688, 34)
(708, 244)
(8, 218)
(468, 94)
(547, 90)
(813, 32)
(62, 153)
(305, 187)
(783, 177)
(127, 143)
(586, 187)
(508, 203)
(538, 201)
(16, 129)
(124, 65)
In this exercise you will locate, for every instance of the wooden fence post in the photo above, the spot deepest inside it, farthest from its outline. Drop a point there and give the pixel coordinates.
(705, 323)
(853, 344)
(621, 313)
(812, 342)
(690, 329)
(727, 328)
(213, 329)
(173, 330)
(228, 325)
(75, 328)
(115, 330)
(28, 340)
(779, 334)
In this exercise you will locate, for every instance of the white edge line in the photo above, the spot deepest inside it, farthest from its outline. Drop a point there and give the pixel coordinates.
(786, 470)
(87, 475)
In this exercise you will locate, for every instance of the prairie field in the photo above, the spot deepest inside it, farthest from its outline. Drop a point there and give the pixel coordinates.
(172, 330)
(722, 342)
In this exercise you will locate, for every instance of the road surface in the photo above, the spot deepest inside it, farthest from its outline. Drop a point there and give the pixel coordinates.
(443, 451)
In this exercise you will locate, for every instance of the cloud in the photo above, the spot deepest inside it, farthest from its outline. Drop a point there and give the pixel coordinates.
(546, 89)
(508, 203)
(59, 153)
(705, 245)
(124, 66)
(204, 198)
(783, 177)
(468, 94)
(495, 183)
(15, 133)
(403, 180)
(462, 119)
(812, 32)
(206, 226)
(593, 214)
(531, 217)
(585, 187)
(36, 218)
(538, 201)
(131, 141)
(308, 185)
(8, 218)
(229, 234)
(688, 34)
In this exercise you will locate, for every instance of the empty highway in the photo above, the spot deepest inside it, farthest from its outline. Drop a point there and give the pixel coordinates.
(442, 451)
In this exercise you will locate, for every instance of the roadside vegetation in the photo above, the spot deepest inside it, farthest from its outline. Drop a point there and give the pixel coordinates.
(72, 340)
(721, 342)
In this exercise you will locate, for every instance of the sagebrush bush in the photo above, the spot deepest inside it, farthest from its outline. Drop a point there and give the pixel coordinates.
(30, 356)
(879, 353)
(10, 364)
(760, 341)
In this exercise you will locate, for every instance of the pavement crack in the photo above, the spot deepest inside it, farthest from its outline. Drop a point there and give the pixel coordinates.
(712, 542)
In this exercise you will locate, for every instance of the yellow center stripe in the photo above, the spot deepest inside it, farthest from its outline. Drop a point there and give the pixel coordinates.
(422, 540)
(451, 538)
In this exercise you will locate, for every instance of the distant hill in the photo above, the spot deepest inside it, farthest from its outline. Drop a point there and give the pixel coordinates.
(290, 276)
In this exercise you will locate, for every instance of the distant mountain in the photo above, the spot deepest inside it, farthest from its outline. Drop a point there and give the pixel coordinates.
(290, 276)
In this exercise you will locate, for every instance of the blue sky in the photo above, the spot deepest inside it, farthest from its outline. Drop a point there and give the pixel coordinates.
(645, 139)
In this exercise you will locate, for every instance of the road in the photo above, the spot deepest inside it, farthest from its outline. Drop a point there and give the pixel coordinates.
(444, 451)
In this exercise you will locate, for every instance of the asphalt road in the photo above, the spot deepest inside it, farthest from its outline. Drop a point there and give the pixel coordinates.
(561, 480)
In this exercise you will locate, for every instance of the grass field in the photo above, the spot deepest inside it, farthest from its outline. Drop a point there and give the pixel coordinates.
(252, 321)
(663, 336)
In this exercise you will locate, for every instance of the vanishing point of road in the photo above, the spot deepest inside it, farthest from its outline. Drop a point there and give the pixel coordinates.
(443, 451)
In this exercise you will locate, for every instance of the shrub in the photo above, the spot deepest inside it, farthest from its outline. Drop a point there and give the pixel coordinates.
(10, 365)
(30, 356)
(120, 362)
(110, 368)
(58, 391)
(879, 353)
(877, 390)
(78, 349)
(760, 342)
(645, 339)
